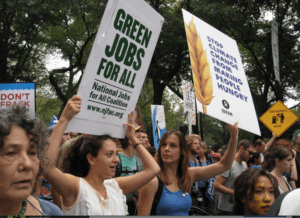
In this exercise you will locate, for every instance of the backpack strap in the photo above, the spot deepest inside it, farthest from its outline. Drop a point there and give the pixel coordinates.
(157, 196)
(119, 167)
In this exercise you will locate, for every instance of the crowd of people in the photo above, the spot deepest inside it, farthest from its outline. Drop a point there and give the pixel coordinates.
(50, 171)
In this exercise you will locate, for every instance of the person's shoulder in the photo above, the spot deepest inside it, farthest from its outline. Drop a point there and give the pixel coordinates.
(49, 208)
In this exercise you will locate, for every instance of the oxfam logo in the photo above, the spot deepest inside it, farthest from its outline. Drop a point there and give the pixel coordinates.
(225, 104)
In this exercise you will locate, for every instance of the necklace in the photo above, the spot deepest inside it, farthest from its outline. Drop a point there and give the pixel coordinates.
(23, 209)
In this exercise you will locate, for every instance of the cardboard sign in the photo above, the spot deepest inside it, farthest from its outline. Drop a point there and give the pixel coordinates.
(158, 123)
(278, 118)
(116, 67)
(15, 93)
(189, 106)
(275, 49)
(221, 86)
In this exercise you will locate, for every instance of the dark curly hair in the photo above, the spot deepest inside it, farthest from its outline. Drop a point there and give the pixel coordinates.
(18, 115)
(245, 182)
(75, 161)
(185, 182)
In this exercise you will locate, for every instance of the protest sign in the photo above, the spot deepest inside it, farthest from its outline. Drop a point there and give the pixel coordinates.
(116, 67)
(15, 93)
(278, 118)
(188, 92)
(158, 123)
(221, 86)
(275, 49)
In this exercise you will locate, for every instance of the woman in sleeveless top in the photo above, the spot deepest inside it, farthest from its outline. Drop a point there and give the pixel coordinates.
(23, 141)
(88, 188)
(279, 160)
(178, 177)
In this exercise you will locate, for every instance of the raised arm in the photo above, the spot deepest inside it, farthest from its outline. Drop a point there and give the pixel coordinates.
(146, 197)
(270, 142)
(130, 183)
(65, 184)
(294, 174)
(202, 173)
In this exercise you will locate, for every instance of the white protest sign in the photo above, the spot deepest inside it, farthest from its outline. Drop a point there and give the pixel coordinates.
(117, 67)
(15, 93)
(275, 49)
(221, 86)
(158, 123)
(189, 106)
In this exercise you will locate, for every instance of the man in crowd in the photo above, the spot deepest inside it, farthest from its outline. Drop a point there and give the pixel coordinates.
(141, 134)
(193, 144)
(224, 182)
(206, 187)
(260, 146)
(127, 166)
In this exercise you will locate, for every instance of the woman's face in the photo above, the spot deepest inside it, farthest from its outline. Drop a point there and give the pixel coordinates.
(19, 165)
(286, 164)
(170, 149)
(106, 161)
(262, 199)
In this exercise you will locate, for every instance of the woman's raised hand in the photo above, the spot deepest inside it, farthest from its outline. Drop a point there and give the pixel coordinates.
(130, 133)
(72, 108)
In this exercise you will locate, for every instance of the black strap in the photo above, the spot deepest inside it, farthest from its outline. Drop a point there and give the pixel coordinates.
(119, 169)
(157, 196)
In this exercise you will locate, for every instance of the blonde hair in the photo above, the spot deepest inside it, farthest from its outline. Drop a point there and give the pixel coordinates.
(189, 139)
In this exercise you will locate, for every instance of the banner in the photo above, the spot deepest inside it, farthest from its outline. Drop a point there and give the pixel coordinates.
(188, 92)
(116, 67)
(15, 93)
(158, 123)
(221, 86)
(275, 49)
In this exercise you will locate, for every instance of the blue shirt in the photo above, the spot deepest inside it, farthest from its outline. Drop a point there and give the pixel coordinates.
(174, 203)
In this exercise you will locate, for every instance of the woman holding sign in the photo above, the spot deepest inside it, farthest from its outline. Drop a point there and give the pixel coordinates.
(169, 193)
(91, 189)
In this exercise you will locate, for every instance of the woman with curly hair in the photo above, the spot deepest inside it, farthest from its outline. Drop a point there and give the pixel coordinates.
(176, 177)
(88, 188)
(278, 161)
(255, 191)
(23, 141)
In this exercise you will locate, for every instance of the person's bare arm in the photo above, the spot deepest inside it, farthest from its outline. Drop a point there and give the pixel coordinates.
(294, 174)
(270, 142)
(146, 197)
(65, 184)
(218, 186)
(130, 183)
(202, 173)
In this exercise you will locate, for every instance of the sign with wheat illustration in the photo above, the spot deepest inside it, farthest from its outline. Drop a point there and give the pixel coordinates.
(221, 86)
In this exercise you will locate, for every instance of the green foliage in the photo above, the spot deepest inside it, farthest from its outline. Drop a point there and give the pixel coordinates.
(46, 107)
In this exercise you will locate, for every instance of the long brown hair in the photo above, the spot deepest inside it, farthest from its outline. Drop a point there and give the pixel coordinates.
(279, 152)
(184, 180)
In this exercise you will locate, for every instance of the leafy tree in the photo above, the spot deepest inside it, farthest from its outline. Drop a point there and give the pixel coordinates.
(21, 38)
(237, 19)
(73, 36)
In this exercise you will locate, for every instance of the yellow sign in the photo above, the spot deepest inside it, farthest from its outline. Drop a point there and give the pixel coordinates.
(278, 118)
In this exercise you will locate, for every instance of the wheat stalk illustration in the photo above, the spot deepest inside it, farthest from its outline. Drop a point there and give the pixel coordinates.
(200, 67)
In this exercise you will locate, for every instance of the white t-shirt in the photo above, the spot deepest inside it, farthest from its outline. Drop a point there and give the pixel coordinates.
(88, 201)
(291, 204)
